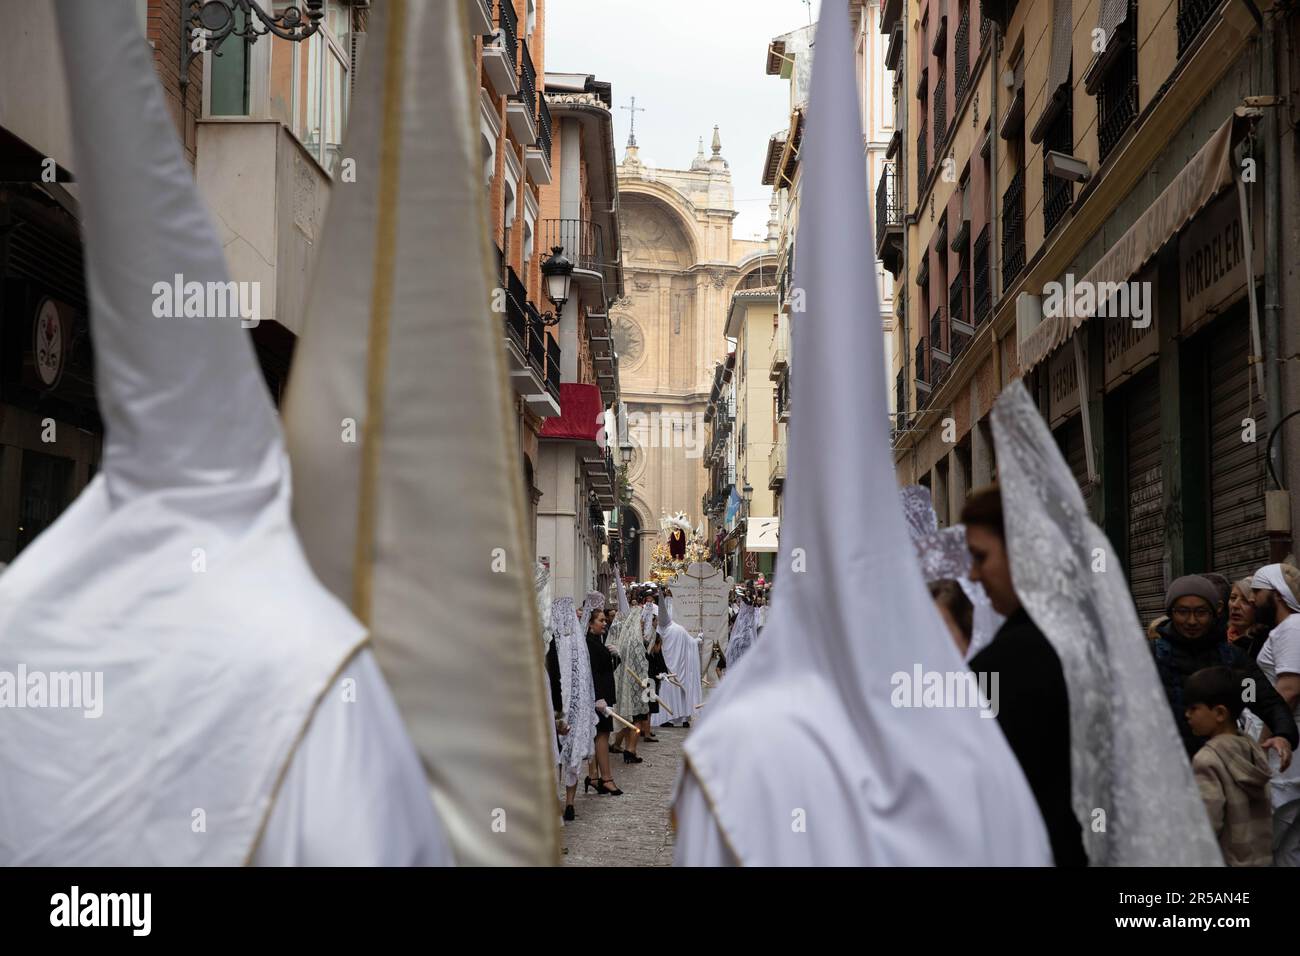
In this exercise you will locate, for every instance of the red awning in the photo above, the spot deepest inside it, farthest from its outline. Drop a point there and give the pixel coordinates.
(582, 414)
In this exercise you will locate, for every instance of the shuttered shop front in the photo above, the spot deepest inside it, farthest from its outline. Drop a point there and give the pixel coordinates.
(1069, 438)
(1144, 483)
(1238, 541)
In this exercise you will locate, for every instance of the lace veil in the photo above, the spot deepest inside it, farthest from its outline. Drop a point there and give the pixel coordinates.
(1133, 789)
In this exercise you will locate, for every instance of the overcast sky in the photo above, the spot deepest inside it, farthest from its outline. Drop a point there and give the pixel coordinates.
(691, 64)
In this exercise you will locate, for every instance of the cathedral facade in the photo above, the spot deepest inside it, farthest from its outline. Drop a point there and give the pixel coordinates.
(681, 265)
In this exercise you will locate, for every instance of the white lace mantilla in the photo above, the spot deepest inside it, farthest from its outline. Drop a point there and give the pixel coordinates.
(1133, 791)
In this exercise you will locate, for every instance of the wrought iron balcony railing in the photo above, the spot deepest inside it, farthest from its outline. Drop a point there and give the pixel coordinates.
(582, 239)
(1057, 192)
(508, 24)
(1013, 229)
(552, 363)
(1117, 96)
(921, 362)
(941, 109)
(544, 127)
(981, 284)
(889, 218)
(527, 78)
(1192, 16)
(961, 53)
(922, 156)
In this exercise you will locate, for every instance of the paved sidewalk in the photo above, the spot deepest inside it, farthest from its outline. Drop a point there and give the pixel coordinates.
(631, 830)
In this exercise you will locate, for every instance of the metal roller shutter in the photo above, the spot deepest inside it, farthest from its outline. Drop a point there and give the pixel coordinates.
(1238, 542)
(1069, 438)
(1145, 488)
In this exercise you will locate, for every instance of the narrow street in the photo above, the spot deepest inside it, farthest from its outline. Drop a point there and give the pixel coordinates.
(631, 830)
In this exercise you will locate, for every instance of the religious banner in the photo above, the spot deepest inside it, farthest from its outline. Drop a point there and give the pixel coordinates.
(700, 598)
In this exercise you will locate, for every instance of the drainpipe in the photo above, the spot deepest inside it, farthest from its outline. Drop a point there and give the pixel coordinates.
(900, 170)
(1272, 244)
(995, 205)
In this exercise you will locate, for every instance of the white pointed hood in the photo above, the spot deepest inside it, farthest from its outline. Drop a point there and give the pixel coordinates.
(176, 575)
(801, 754)
(419, 522)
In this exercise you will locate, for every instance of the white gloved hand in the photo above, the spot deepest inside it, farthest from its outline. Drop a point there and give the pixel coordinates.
(601, 706)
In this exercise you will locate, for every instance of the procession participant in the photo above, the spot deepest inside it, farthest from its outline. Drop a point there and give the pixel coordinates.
(569, 664)
(943, 556)
(606, 699)
(681, 651)
(1043, 573)
(237, 692)
(1277, 601)
(743, 631)
(416, 517)
(804, 756)
(632, 678)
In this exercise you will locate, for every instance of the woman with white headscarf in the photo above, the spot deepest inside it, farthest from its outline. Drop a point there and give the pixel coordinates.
(631, 680)
(1276, 588)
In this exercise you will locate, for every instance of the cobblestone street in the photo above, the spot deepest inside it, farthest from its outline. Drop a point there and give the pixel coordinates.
(631, 830)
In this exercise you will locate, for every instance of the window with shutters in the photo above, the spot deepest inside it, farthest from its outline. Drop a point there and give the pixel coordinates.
(1113, 76)
(306, 85)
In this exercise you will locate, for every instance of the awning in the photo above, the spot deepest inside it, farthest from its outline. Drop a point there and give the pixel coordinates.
(762, 535)
(1208, 172)
(582, 414)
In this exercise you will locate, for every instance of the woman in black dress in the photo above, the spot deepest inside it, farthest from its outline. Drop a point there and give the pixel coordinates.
(657, 666)
(602, 680)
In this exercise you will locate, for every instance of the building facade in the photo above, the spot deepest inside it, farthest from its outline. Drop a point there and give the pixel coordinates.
(1097, 199)
(682, 264)
(576, 474)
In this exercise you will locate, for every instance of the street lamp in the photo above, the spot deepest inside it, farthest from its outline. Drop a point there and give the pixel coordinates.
(208, 22)
(557, 272)
(748, 492)
(625, 451)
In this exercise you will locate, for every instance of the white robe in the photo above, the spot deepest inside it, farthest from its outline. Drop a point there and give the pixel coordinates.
(682, 655)
(354, 794)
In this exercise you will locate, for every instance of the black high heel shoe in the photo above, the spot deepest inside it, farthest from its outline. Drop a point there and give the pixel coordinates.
(611, 791)
(587, 785)
(568, 813)
(629, 757)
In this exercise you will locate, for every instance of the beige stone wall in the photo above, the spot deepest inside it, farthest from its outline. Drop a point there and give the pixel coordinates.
(681, 265)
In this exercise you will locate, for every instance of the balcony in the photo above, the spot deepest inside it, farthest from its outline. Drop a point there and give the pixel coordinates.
(776, 461)
(534, 356)
(1193, 15)
(602, 476)
(272, 194)
(480, 17)
(521, 109)
(961, 53)
(937, 352)
(1117, 96)
(922, 157)
(889, 221)
(780, 362)
(894, 52)
(940, 29)
(891, 14)
(538, 156)
(786, 280)
(922, 367)
(500, 59)
(981, 298)
(960, 331)
(583, 244)
(1013, 229)
(1057, 192)
(940, 110)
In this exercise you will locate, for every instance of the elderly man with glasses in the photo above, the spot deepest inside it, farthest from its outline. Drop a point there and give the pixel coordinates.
(1191, 640)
